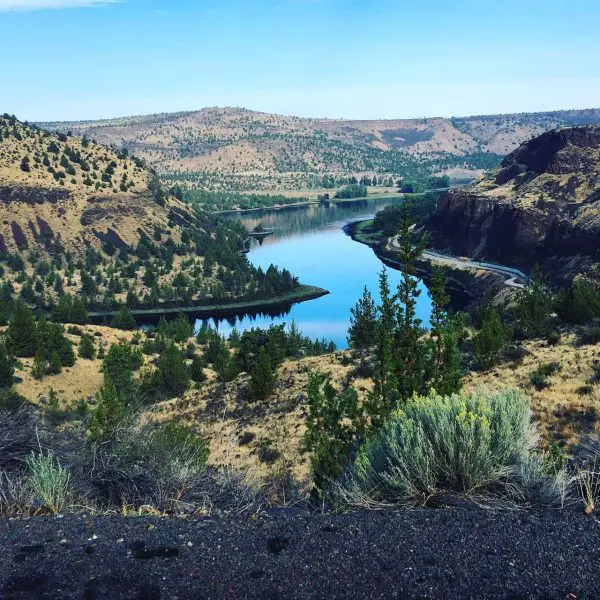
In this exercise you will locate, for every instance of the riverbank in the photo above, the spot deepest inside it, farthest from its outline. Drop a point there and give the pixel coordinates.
(315, 202)
(467, 282)
(220, 310)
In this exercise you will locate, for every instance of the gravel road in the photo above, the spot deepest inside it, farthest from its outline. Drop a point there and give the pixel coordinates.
(460, 552)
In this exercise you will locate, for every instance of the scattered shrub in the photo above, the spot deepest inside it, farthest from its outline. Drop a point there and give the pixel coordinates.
(589, 335)
(539, 378)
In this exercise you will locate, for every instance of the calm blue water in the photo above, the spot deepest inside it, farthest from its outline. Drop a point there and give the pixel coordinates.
(310, 242)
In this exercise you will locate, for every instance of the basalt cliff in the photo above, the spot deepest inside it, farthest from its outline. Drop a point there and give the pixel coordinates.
(541, 207)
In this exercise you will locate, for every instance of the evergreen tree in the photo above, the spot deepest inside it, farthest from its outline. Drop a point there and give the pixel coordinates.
(124, 319)
(333, 426)
(490, 340)
(40, 364)
(579, 303)
(7, 366)
(87, 349)
(54, 364)
(534, 306)
(21, 333)
(384, 396)
(409, 348)
(363, 323)
(112, 409)
(262, 377)
(445, 333)
(172, 376)
(197, 373)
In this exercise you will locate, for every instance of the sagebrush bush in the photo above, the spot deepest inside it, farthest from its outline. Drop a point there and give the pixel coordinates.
(461, 443)
(142, 464)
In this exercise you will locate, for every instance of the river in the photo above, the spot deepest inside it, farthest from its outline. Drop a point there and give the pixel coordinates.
(311, 243)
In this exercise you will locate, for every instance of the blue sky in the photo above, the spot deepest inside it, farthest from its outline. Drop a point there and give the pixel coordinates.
(84, 59)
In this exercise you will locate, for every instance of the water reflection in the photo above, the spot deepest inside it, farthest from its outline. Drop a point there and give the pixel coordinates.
(310, 242)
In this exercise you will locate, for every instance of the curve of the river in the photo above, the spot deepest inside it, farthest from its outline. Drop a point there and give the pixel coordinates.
(311, 243)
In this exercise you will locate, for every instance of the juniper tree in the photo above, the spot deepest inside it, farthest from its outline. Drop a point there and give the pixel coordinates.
(490, 339)
(382, 399)
(262, 377)
(7, 366)
(363, 323)
(21, 333)
(446, 330)
(534, 306)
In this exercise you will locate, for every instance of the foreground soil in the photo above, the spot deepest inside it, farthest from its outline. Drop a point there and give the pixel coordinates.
(449, 553)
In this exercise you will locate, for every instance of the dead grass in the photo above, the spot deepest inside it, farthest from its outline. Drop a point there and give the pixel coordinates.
(568, 407)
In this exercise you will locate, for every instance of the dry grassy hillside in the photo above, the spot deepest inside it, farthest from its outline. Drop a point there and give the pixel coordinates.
(244, 144)
(61, 192)
(264, 438)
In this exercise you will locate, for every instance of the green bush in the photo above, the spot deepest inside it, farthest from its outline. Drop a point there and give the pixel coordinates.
(87, 349)
(182, 452)
(490, 340)
(462, 443)
(589, 336)
(49, 481)
(579, 303)
(262, 377)
(539, 378)
(171, 376)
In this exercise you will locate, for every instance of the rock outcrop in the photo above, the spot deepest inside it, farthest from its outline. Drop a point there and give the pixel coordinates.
(60, 193)
(542, 206)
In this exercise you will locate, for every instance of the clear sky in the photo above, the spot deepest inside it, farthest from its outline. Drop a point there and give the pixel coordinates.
(86, 59)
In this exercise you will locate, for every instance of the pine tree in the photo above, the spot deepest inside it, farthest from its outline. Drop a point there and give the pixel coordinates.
(7, 367)
(87, 349)
(363, 323)
(197, 373)
(383, 398)
(54, 364)
(409, 348)
(446, 331)
(124, 319)
(534, 306)
(40, 363)
(21, 333)
(262, 378)
(490, 340)
(110, 412)
(333, 426)
(172, 375)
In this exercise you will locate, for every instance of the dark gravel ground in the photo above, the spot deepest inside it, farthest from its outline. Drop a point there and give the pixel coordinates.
(450, 553)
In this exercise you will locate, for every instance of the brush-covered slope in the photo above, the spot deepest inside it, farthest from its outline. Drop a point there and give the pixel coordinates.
(65, 193)
(260, 149)
(541, 206)
(85, 220)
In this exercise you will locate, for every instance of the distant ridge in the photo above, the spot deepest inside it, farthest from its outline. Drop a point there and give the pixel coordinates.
(256, 146)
